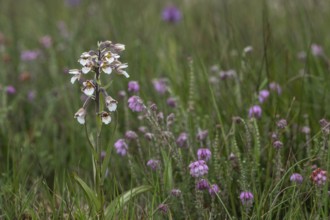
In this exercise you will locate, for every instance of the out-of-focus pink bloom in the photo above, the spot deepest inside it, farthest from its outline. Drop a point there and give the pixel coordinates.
(46, 41)
(153, 164)
(121, 147)
(31, 95)
(29, 55)
(204, 154)
(171, 14)
(160, 85)
(319, 177)
(133, 86)
(274, 86)
(135, 103)
(317, 50)
(263, 96)
(227, 74)
(255, 111)
(171, 102)
(176, 192)
(182, 140)
(246, 198)
(202, 134)
(10, 90)
(214, 189)
(296, 178)
(202, 184)
(198, 168)
(130, 135)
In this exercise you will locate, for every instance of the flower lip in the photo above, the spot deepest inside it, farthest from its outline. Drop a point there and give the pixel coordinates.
(106, 67)
(88, 88)
(80, 115)
(76, 73)
(105, 117)
(109, 57)
(111, 103)
(84, 58)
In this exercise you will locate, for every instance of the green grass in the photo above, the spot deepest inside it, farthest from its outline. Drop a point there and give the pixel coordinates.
(42, 147)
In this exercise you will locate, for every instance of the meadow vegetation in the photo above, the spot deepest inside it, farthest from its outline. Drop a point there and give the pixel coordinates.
(225, 114)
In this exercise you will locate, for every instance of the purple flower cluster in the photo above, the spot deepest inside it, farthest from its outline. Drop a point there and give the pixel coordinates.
(171, 102)
(163, 208)
(246, 198)
(171, 14)
(46, 41)
(263, 95)
(296, 178)
(202, 184)
(176, 192)
(153, 164)
(10, 90)
(133, 86)
(160, 85)
(198, 168)
(317, 50)
(135, 103)
(319, 177)
(182, 140)
(202, 134)
(214, 189)
(130, 135)
(274, 86)
(204, 154)
(29, 55)
(121, 147)
(255, 111)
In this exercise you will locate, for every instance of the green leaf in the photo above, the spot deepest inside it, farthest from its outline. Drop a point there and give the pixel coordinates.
(89, 193)
(121, 200)
(168, 172)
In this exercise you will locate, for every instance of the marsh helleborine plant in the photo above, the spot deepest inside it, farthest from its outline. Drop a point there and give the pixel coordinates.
(103, 61)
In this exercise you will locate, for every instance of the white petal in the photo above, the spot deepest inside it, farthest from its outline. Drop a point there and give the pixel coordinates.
(112, 107)
(83, 61)
(74, 78)
(110, 60)
(106, 120)
(120, 47)
(86, 69)
(74, 71)
(81, 120)
(125, 74)
(89, 91)
(107, 70)
(123, 66)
